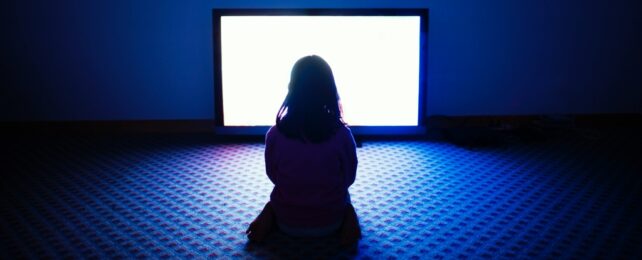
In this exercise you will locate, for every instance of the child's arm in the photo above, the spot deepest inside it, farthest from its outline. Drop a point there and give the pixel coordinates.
(351, 160)
(270, 160)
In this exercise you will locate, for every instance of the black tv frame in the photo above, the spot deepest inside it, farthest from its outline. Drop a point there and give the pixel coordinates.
(220, 128)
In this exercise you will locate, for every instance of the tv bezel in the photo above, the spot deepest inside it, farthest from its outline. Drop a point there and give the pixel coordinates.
(419, 129)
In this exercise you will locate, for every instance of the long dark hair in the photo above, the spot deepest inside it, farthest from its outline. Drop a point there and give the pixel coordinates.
(310, 111)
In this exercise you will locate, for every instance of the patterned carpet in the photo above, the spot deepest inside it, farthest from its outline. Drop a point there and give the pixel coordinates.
(172, 196)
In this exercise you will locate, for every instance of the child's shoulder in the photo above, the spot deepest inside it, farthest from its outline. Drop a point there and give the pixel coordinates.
(272, 130)
(343, 135)
(349, 134)
(345, 130)
(272, 133)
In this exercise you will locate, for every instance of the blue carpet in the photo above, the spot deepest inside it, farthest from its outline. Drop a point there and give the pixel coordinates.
(570, 196)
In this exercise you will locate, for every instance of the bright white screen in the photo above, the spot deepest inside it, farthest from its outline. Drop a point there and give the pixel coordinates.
(375, 61)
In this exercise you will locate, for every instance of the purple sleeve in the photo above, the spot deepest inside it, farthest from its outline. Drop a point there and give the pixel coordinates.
(270, 157)
(351, 160)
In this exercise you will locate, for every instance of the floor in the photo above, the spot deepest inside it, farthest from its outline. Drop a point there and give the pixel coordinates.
(569, 195)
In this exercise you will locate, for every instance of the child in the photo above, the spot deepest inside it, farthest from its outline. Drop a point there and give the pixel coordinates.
(310, 156)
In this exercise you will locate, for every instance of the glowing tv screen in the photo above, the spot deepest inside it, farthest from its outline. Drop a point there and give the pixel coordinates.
(376, 57)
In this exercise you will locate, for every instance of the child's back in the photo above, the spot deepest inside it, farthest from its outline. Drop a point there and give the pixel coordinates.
(311, 179)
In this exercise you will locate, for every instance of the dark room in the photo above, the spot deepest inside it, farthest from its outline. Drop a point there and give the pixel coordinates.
(202, 129)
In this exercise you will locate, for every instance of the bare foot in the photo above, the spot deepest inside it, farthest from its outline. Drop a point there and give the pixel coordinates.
(262, 225)
(350, 231)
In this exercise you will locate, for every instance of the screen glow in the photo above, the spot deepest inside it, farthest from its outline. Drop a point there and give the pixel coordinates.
(375, 61)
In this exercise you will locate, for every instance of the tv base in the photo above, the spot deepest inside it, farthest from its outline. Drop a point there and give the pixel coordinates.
(356, 130)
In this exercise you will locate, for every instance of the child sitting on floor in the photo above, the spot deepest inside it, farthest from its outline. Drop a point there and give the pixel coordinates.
(310, 156)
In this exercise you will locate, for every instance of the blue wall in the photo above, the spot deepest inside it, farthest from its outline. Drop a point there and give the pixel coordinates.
(142, 59)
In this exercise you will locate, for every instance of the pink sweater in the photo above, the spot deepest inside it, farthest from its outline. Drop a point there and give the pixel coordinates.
(311, 180)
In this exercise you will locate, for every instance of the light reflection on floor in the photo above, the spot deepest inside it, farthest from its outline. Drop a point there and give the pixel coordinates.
(174, 197)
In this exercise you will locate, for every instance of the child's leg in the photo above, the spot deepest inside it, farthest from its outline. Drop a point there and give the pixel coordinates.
(262, 225)
(350, 231)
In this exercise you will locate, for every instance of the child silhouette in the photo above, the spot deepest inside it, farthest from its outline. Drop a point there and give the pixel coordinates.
(310, 157)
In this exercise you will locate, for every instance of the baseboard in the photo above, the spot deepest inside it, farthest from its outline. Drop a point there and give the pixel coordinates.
(432, 123)
(108, 127)
(480, 131)
(580, 120)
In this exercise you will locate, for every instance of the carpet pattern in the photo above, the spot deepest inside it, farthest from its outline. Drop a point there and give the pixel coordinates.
(569, 197)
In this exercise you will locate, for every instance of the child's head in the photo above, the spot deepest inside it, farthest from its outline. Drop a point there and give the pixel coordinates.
(311, 108)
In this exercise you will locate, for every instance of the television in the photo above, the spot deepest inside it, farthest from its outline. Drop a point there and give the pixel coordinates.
(378, 58)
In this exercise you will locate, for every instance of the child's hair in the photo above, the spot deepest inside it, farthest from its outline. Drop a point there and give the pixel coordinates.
(310, 111)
